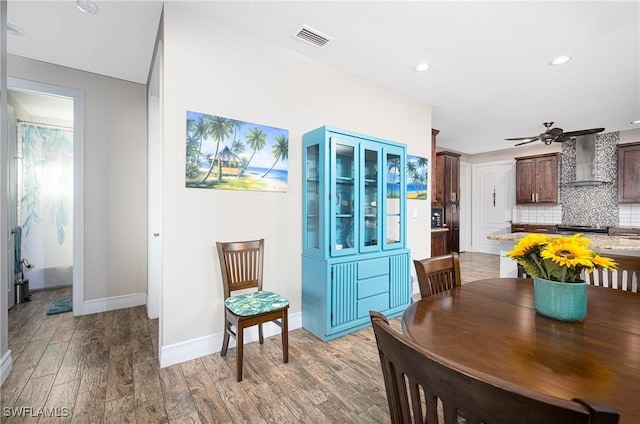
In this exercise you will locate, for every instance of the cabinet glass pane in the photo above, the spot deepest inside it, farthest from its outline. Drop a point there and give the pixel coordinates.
(313, 207)
(344, 197)
(370, 236)
(392, 207)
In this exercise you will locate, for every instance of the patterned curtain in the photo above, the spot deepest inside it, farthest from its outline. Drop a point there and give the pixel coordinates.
(45, 202)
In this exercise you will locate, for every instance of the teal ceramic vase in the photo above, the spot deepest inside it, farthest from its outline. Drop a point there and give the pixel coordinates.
(561, 301)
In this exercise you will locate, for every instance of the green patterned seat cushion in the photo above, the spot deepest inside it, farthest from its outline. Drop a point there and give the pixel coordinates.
(255, 303)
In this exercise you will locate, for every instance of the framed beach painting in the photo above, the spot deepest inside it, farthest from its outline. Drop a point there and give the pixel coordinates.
(227, 154)
(417, 177)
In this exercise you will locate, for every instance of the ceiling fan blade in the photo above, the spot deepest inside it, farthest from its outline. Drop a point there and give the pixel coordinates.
(526, 142)
(570, 134)
(534, 138)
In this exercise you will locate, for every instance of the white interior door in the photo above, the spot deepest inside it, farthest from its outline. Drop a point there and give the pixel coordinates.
(11, 204)
(154, 206)
(493, 194)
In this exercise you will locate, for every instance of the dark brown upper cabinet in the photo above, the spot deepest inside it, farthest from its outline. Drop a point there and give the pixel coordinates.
(629, 173)
(537, 179)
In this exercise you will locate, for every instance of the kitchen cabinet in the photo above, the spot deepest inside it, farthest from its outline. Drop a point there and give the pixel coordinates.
(354, 256)
(629, 173)
(439, 242)
(432, 172)
(537, 179)
(447, 195)
(534, 228)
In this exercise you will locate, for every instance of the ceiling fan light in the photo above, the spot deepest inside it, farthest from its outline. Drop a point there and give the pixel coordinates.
(421, 67)
(87, 6)
(560, 60)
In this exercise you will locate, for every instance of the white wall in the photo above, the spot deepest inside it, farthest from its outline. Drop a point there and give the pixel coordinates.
(213, 69)
(115, 176)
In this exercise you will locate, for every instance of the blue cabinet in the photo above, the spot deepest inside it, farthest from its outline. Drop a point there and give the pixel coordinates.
(354, 231)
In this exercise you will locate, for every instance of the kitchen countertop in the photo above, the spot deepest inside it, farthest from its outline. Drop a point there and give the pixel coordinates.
(630, 243)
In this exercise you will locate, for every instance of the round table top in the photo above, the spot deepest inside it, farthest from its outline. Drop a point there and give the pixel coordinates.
(491, 326)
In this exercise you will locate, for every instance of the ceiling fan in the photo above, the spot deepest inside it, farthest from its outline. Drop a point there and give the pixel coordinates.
(554, 134)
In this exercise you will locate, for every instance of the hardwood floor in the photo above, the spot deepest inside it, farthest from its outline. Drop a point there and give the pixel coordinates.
(103, 368)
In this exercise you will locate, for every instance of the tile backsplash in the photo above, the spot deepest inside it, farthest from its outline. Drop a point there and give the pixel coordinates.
(629, 215)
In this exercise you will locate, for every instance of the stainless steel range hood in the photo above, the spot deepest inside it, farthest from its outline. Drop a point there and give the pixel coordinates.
(586, 174)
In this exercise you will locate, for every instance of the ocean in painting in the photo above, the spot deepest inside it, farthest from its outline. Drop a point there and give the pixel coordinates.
(275, 174)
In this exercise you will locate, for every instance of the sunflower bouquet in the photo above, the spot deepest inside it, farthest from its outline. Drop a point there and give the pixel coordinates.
(558, 258)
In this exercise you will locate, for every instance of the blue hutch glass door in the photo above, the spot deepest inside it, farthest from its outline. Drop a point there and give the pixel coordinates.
(312, 223)
(370, 231)
(343, 195)
(394, 193)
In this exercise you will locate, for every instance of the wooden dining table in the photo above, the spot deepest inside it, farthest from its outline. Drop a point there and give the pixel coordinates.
(491, 325)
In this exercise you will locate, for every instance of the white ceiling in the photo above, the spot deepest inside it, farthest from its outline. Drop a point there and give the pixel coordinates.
(489, 78)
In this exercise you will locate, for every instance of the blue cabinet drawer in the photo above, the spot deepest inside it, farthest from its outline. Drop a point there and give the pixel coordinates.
(373, 267)
(379, 302)
(371, 286)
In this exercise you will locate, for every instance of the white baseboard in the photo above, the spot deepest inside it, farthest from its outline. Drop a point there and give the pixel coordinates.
(111, 303)
(6, 364)
(206, 345)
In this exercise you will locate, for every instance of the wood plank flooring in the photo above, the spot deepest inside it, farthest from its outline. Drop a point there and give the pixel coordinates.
(103, 368)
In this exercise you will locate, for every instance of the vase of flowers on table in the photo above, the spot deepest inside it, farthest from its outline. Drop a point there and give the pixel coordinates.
(556, 265)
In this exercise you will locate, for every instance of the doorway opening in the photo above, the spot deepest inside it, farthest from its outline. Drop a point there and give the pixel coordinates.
(46, 188)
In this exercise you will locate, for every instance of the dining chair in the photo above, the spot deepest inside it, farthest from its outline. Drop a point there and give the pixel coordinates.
(438, 273)
(423, 387)
(626, 277)
(241, 265)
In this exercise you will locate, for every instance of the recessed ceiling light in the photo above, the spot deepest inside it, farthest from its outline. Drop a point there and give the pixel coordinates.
(560, 60)
(87, 6)
(14, 29)
(421, 67)
(637, 121)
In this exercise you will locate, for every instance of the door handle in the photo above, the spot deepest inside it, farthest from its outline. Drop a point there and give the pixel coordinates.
(156, 234)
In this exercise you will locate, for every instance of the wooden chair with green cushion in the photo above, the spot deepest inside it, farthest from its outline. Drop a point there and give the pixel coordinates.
(438, 273)
(425, 388)
(241, 265)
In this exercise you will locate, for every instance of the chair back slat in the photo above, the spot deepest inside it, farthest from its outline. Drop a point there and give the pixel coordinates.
(626, 277)
(425, 388)
(438, 274)
(241, 264)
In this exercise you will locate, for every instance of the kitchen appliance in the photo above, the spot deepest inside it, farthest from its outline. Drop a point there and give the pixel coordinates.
(584, 229)
(586, 164)
(437, 220)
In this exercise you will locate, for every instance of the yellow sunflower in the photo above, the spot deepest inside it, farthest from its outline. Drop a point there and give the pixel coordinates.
(527, 244)
(570, 252)
(602, 262)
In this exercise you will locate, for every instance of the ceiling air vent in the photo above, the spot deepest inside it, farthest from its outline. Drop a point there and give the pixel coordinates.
(312, 36)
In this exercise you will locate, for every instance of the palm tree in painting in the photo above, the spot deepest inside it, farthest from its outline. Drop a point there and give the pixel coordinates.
(280, 151)
(412, 171)
(192, 148)
(219, 129)
(256, 140)
(237, 148)
(422, 163)
(423, 167)
(394, 167)
(199, 129)
(235, 126)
